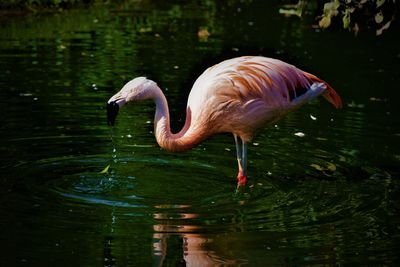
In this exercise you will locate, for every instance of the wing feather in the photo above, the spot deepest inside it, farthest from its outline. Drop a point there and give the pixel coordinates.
(261, 87)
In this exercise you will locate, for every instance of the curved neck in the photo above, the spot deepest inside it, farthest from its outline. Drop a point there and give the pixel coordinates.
(185, 139)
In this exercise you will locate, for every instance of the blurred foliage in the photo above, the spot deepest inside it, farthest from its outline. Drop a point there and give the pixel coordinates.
(353, 15)
(33, 5)
(350, 14)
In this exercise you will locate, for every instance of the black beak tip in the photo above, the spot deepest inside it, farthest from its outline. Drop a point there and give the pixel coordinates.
(112, 112)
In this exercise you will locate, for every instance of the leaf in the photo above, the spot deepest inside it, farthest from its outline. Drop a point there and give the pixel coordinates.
(331, 166)
(203, 34)
(290, 12)
(330, 8)
(105, 170)
(356, 28)
(324, 22)
(346, 19)
(317, 167)
(379, 17)
(384, 27)
(379, 3)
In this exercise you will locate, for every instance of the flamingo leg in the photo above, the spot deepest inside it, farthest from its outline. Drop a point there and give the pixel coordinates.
(244, 158)
(238, 150)
(241, 153)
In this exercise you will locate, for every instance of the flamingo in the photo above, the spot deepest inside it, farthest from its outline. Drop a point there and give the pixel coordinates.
(238, 96)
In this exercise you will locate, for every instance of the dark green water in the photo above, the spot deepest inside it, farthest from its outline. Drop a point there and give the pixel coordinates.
(328, 198)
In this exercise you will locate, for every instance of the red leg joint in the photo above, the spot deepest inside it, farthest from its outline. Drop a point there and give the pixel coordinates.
(242, 179)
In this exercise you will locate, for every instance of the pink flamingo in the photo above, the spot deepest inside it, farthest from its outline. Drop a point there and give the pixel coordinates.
(238, 95)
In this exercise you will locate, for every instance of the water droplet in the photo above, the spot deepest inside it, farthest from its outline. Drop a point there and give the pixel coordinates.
(300, 134)
(25, 94)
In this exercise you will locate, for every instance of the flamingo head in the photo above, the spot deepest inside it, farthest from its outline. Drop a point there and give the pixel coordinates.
(135, 90)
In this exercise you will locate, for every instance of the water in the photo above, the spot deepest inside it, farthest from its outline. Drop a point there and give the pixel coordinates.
(330, 197)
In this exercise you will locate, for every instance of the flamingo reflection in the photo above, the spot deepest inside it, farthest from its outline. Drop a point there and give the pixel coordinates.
(196, 246)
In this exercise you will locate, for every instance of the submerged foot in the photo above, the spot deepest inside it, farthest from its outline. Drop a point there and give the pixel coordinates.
(241, 179)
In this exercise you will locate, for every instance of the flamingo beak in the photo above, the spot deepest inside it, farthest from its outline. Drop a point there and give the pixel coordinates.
(112, 112)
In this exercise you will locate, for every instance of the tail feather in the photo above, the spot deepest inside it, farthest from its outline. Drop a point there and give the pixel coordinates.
(330, 94)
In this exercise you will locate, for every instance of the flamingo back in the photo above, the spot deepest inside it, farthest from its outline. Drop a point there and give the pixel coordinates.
(242, 94)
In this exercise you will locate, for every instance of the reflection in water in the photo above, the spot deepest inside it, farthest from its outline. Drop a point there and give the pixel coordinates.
(196, 247)
(109, 259)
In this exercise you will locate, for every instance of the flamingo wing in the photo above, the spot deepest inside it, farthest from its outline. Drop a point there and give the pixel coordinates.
(242, 94)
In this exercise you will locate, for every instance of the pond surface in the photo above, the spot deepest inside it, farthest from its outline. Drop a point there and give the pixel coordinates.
(327, 196)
